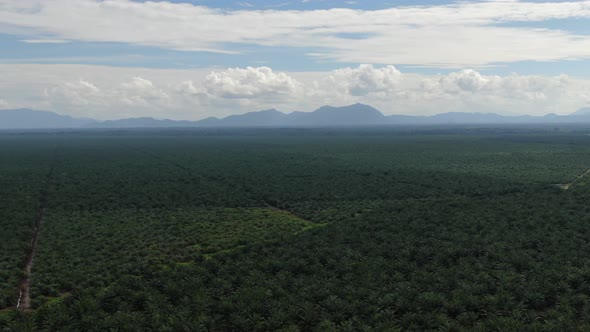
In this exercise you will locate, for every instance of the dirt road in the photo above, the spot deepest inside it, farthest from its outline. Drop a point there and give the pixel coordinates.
(24, 299)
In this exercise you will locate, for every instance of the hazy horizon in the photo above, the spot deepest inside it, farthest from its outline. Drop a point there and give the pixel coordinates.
(241, 113)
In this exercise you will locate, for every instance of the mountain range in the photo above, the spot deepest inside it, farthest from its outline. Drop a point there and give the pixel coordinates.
(31, 119)
(325, 116)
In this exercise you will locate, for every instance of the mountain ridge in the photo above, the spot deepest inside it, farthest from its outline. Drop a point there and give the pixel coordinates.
(325, 116)
(23, 118)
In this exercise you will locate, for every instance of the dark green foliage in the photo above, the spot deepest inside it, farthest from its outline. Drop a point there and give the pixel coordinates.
(170, 231)
(23, 169)
(108, 245)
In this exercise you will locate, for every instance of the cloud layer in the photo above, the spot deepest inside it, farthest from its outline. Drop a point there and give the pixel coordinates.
(110, 92)
(464, 34)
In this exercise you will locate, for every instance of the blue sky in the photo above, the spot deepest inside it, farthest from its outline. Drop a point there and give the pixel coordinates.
(281, 57)
(485, 49)
(317, 4)
(304, 5)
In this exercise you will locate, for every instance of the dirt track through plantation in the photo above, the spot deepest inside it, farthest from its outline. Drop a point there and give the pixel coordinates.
(568, 186)
(24, 298)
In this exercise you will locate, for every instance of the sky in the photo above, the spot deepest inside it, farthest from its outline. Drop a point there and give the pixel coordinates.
(191, 59)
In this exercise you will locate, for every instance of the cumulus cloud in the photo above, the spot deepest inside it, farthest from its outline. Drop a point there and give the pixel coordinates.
(134, 95)
(3, 103)
(110, 92)
(514, 86)
(141, 92)
(465, 80)
(250, 82)
(462, 34)
(78, 93)
(365, 79)
(465, 90)
(189, 88)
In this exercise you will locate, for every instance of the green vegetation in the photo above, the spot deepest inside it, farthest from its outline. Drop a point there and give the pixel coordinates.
(108, 245)
(298, 230)
(23, 171)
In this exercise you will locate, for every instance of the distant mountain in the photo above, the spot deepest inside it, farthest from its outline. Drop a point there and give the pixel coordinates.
(144, 122)
(580, 116)
(459, 118)
(581, 112)
(265, 118)
(353, 115)
(210, 121)
(30, 119)
(360, 115)
(325, 116)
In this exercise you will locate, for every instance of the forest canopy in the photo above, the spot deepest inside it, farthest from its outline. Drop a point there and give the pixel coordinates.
(297, 230)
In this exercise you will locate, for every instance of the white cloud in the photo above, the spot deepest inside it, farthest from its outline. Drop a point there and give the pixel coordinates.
(116, 92)
(465, 80)
(250, 82)
(78, 93)
(141, 92)
(189, 88)
(464, 91)
(365, 80)
(44, 41)
(528, 88)
(134, 95)
(245, 4)
(463, 34)
(3, 104)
